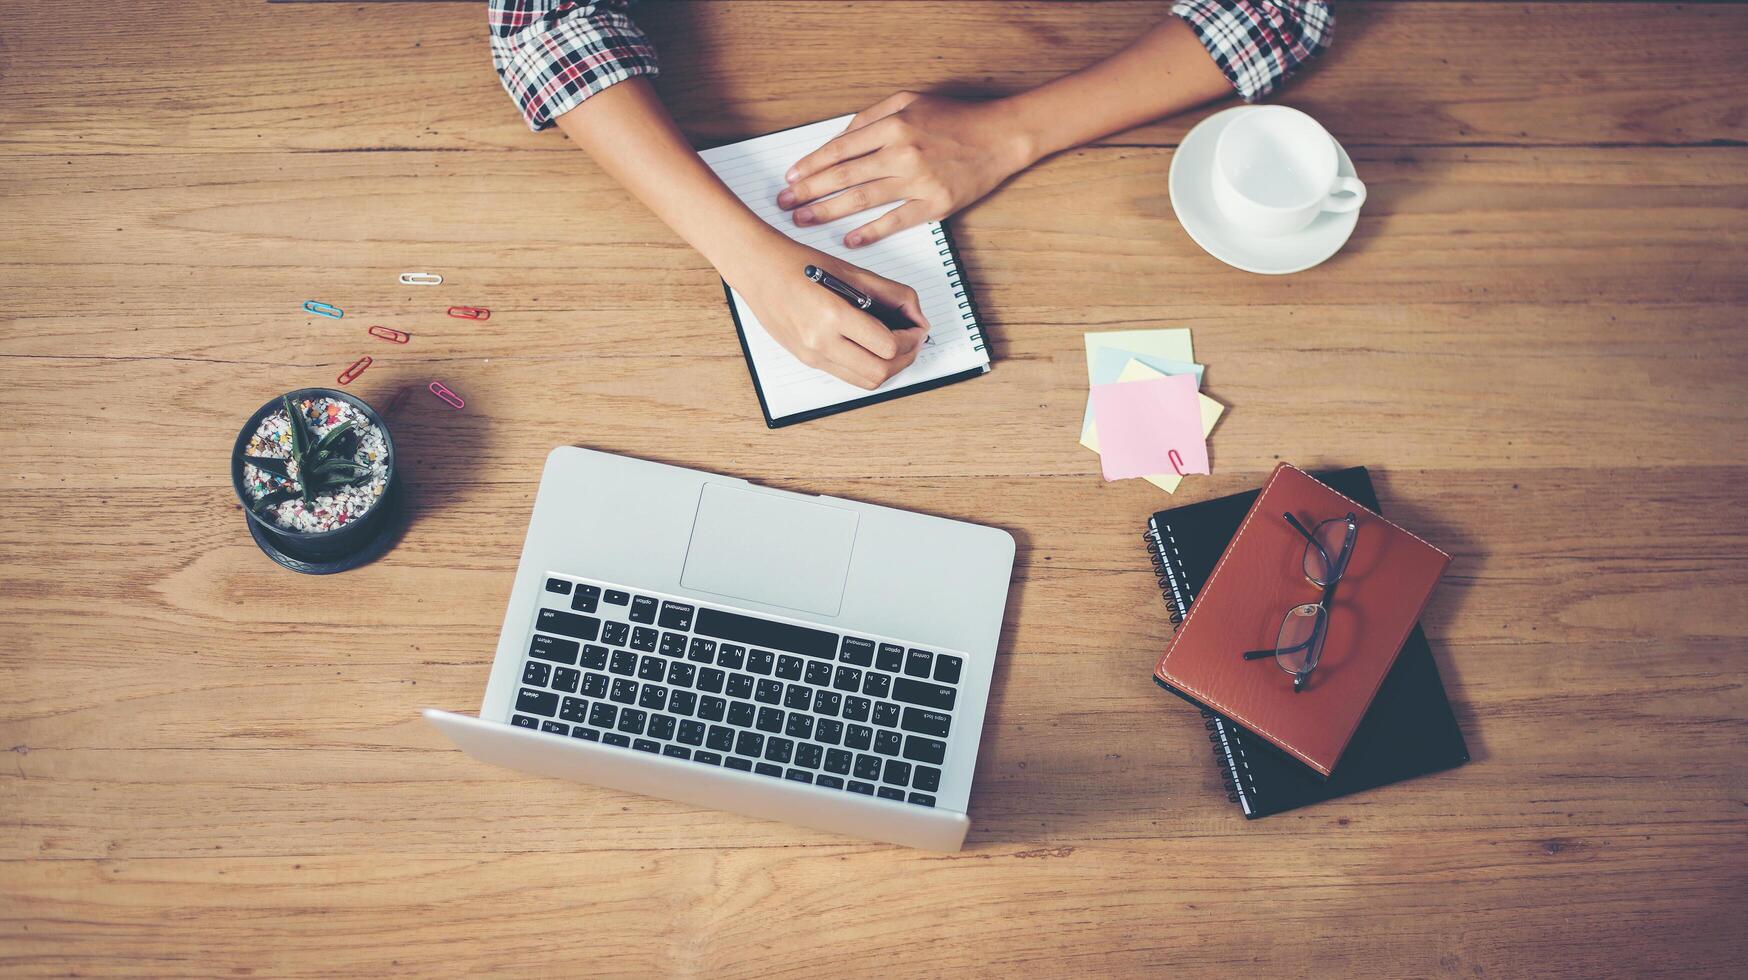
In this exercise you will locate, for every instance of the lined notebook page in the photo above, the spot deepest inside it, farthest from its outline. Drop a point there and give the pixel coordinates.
(917, 257)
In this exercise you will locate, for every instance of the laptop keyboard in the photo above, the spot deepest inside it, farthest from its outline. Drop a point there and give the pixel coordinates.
(690, 681)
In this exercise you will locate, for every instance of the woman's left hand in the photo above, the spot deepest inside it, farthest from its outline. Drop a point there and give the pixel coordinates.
(936, 154)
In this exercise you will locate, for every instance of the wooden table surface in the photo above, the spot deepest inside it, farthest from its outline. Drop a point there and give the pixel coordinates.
(1535, 339)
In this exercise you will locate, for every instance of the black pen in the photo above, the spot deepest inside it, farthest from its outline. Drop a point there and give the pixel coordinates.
(894, 318)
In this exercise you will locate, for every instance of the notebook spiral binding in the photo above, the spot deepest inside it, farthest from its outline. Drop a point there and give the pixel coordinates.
(1211, 722)
(950, 260)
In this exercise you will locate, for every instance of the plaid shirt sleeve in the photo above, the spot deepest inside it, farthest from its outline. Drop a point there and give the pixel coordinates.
(1258, 43)
(553, 54)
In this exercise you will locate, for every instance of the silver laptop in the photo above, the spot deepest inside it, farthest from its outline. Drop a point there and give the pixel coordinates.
(802, 658)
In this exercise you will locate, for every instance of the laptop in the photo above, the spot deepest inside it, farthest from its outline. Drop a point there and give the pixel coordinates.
(697, 637)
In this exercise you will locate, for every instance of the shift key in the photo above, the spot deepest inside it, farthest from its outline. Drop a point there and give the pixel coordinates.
(917, 692)
(567, 624)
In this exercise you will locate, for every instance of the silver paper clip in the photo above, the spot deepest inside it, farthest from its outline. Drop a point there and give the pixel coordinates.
(421, 279)
(322, 309)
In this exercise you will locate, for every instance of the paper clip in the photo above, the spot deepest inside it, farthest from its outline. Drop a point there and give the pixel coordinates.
(354, 371)
(421, 279)
(322, 309)
(1177, 462)
(450, 398)
(470, 313)
(390, 334)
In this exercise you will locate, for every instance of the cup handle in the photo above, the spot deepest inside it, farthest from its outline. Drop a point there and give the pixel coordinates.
(1341, 205)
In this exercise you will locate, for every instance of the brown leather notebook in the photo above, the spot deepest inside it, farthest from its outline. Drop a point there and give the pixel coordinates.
(1388, 578)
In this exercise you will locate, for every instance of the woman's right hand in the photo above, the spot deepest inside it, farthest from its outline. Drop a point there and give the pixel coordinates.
(818, 327)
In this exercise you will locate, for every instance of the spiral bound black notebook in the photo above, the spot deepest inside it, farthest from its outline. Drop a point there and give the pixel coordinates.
(922, 257)
(1408, 731)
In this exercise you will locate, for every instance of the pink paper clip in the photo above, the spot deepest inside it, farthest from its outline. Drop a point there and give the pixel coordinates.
(390, 334)
(1177, 462)
(357, 368)
(470, 313)
(450, 398)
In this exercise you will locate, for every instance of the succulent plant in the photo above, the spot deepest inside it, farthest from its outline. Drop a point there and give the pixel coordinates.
(322, 464)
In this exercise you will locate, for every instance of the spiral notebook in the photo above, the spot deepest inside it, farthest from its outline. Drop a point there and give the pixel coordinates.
(1408, 731)
(922, 257)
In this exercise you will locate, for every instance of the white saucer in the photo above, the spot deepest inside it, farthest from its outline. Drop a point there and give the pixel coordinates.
(1192, 197)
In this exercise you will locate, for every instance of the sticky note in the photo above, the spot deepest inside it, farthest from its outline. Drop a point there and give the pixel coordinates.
(1211, 412)
(1171, 344)
(1106, 364)
(1144, 426)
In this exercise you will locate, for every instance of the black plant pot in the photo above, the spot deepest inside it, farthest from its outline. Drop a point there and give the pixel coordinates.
(322, 552)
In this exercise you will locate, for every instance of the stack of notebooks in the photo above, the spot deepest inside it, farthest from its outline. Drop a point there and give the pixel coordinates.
(1145, 414)
(1373, 711)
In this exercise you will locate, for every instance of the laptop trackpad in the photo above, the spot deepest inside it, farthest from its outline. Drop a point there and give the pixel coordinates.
(770, 548)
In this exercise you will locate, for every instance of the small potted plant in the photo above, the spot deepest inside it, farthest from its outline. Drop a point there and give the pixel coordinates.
(315, 472)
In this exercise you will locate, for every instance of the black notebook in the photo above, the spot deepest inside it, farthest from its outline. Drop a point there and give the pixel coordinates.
(1408, 731)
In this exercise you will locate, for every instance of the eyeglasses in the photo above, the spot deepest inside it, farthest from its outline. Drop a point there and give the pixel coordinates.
(1299, 643)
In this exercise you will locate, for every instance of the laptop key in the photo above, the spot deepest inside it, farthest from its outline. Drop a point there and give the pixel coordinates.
(574, 709)
(730, 655)
(856, 709)
(652, 668)
(819, 673)
(789, 668)
(918, 663)
(848, 679)
(566, 679)
(896, 773)
(708, 758)
(877, 685)
(770, 720)
(926, 778)
(720, 625)
(868, 767)
(859, 736)
(856, 650)
(602, 714)
(654, 697)
(586, 734)
(537, 702)
(643, 610)
(680, 674)
(838, 761)
(645, 745)
(925, 695)
(712, 708)
(586, 598)
(676, 616)
(768, 769)
(593, 658)
(947, 670)
(828, 730)
(740, 686)
(920, 749)
(645, 639)
(710, 680)
(888, 793)
(616, 634)
(779, 749)
(866, 789)
(749, 744)
(536, 674)
(523, 721)
(761, 661)
(555, 728)
(827, 702)
(808, 755)
(887, 743)
(567, 624)
(830, 782)
(926, 722)
(624, 662)
(662, 726)
(614, 738)
(770, 692)
(559, 585)
(594, 685)
(631, 721)
(886, 714)
(673, 645)
(923, 799)
(617, 598)
(736, 762)
(740, 714)
(890, 658)
(702, 651)
(677, 751)
(799, 776)
(624, 691)
(721, 738)
(682, 702)
(799, 726)
(554, 649)
(797, 697)
(692, 732)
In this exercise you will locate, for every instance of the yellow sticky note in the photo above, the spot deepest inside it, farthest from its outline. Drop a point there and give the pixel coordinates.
(1211, 411)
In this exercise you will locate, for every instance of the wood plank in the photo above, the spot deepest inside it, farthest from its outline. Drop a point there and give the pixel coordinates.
(418, 76)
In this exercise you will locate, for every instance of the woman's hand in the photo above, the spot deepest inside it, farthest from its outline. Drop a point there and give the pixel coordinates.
(935, 154)
(817, 326)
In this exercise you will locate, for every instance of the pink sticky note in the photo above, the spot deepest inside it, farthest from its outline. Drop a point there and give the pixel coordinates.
(1148, 427)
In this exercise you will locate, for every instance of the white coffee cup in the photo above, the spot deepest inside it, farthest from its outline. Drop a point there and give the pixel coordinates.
(1275, 171)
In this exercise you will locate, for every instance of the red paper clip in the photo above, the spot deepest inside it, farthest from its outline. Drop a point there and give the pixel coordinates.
(354, 371)
(450, 398)
(390, 334)
(1177, 462)
(470, 313)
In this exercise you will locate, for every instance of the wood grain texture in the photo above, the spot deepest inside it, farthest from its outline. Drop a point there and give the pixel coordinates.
(1535, 339)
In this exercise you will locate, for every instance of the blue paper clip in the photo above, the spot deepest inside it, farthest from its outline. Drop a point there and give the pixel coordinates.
(322, 309)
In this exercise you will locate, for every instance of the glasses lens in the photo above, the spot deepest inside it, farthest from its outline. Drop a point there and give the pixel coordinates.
(1331, 549)
(1301, 639)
